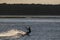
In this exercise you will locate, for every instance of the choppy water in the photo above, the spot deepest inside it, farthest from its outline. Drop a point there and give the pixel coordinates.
(39, 30)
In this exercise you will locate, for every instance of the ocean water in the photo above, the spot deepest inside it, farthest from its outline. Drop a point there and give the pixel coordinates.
(39, 30)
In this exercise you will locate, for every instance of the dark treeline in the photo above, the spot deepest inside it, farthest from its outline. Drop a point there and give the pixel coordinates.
(29, 9)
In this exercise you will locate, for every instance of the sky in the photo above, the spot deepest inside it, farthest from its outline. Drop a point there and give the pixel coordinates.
(30, 1)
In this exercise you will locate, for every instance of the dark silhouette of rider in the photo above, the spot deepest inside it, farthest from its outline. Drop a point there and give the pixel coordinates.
(29, 31)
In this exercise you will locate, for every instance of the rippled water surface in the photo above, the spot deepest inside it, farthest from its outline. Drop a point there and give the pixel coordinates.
(39, 30)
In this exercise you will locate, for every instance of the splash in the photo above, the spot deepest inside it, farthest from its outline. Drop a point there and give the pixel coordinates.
(14, 33)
